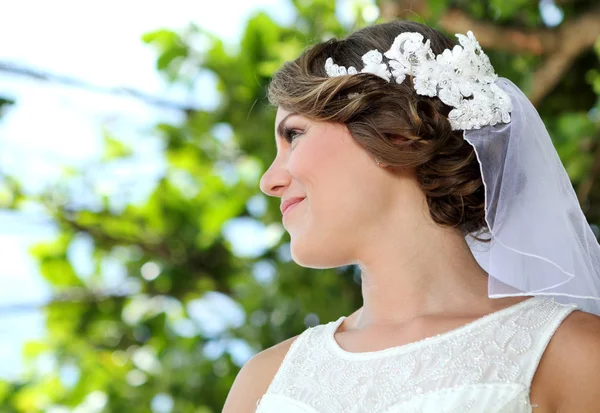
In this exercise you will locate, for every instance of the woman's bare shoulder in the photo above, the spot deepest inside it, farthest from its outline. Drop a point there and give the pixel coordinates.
(255, 377)
(569, 371)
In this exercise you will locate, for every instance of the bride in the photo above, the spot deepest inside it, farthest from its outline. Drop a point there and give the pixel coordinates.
(397, 151)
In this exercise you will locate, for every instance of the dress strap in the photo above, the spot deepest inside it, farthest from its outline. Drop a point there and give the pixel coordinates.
(286, 366)
(557, 312)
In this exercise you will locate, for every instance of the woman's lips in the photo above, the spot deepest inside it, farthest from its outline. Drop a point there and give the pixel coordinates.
(291, 206)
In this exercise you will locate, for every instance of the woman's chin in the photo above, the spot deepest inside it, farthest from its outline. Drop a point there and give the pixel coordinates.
(309, 255)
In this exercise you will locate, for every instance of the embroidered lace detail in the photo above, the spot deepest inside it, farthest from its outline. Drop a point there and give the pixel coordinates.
(462, 78)
(334, 70)
(487, 363)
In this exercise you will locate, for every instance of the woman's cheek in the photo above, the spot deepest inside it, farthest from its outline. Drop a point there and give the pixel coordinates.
(300, 160)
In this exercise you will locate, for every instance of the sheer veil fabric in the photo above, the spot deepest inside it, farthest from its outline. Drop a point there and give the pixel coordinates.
(541, 241)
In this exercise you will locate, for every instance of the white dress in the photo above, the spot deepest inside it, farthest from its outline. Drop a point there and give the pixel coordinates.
(484, 366)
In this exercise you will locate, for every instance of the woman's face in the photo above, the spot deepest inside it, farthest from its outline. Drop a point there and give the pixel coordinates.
(348, 197)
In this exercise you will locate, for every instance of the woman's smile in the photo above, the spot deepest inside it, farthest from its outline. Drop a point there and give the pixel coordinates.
(290, 208)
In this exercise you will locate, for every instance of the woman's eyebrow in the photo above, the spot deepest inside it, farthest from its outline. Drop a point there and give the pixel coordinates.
(280, 125)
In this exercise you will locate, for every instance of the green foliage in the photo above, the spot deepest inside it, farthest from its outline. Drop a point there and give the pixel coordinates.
(173, 50)
(128, 345)
(5, 103)
(114, 148)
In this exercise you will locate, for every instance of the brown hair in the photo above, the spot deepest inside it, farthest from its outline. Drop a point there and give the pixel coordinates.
(377, 113)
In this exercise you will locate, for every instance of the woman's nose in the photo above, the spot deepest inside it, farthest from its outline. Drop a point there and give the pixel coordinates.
(274, 180)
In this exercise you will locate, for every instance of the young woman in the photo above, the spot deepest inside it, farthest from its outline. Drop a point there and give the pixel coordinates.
(397, 150)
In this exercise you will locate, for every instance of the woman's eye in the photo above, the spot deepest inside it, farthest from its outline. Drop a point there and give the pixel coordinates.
(291, 134)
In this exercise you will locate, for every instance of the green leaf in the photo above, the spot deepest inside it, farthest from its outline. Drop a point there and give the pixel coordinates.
(115, 149)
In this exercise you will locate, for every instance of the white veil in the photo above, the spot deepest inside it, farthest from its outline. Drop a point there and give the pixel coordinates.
(541, 242)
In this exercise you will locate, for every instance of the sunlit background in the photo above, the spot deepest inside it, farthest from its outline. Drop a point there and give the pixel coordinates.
(54, 124)
(86, 87)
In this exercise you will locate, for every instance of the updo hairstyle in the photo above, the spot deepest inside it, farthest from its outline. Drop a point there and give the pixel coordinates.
(390, 120)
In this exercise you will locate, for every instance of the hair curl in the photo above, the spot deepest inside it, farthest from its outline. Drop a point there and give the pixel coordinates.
(377, 113)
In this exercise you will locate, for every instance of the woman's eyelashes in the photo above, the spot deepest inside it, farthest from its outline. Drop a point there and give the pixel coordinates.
(290, 134)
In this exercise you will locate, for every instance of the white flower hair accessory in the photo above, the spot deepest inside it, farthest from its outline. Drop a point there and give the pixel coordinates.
(462, 78)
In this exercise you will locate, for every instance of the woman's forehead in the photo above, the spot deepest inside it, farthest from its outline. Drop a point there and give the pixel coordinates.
(281, 115)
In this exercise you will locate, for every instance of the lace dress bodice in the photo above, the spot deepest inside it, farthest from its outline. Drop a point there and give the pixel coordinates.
(484, 366)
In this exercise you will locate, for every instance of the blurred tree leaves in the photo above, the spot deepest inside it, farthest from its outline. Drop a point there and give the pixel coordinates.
(5, 103)
(144, 331)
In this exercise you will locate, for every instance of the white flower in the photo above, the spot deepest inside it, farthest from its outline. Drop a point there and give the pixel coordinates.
(333, 70)
(450, 95)
(404, 44)
(373, 64)
(400, 68)
(450, 58)
(406, 54)
(470, 114)
(503, 105)
(425, 80)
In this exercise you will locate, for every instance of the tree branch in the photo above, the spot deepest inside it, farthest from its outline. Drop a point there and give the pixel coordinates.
(585, 187)
(562, 45)
(72, 295)
(559, 2)
(575, 36)
(490, 36)
(392, 9)
(42, 76)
